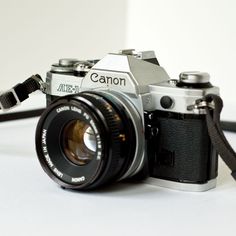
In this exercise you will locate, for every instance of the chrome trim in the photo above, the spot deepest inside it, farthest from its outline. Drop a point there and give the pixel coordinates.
(181, 186)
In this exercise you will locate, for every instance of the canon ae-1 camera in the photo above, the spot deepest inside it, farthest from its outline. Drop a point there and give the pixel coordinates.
(123, 118)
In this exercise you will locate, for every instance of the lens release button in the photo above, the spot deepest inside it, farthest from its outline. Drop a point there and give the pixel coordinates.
(166, 102)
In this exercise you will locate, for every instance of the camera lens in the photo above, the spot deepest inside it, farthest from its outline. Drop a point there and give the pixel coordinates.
(91, 139)
(78, 141)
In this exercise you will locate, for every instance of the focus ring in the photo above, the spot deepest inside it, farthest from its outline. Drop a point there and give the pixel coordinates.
(114, 128)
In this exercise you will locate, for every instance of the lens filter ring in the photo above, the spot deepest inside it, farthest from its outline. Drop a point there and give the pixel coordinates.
(50, 148)
(64, 120)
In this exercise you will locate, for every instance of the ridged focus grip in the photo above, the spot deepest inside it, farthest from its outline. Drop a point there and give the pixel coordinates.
(113, 125)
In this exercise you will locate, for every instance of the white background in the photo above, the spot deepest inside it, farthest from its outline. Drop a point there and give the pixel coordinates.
(185, 34)
(36, 33)
(188, 35)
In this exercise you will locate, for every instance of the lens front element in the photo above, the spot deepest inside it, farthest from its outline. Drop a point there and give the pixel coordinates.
(89, 140)
(78, 142)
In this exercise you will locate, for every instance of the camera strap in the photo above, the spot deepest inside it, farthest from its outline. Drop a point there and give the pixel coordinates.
(216, 134)
(18, 94)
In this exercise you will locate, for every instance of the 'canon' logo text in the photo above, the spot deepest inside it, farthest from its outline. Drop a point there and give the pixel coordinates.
(107, 79)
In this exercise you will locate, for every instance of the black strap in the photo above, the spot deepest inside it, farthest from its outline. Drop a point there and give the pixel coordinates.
(21, 115)
(20, 92)
(228, 125)
(216, 134)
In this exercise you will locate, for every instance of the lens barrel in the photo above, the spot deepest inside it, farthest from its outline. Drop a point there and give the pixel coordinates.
(89, 140)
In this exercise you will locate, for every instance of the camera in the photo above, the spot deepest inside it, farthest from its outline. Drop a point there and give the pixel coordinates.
(123, 118)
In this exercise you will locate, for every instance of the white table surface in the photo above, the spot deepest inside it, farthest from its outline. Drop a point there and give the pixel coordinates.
(31, 204)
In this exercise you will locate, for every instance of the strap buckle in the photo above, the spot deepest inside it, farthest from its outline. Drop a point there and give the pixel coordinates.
(43, 86)
(200, 105)
(11, 101)
(21, 92)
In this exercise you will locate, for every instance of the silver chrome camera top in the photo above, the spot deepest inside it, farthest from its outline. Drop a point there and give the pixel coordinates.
(130, 73)
(140, 55)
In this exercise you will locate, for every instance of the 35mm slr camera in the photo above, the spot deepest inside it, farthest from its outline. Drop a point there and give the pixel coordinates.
(122, 117)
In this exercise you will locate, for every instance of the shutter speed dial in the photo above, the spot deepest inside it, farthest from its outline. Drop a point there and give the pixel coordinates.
(194, 77)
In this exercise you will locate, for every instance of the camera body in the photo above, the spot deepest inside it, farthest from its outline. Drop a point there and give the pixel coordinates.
(172, 142)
